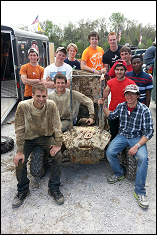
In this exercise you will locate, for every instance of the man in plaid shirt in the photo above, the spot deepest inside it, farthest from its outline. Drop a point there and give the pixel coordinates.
(135, 129)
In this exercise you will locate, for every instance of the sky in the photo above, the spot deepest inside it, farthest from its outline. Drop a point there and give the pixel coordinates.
(17, 13)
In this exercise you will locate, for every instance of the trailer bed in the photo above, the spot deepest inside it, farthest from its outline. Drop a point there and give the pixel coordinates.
(8, 97)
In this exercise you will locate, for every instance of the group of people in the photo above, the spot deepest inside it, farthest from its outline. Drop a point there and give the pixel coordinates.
(45, 112)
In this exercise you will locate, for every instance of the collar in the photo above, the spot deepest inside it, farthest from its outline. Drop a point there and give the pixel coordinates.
(137, 106)
(139, 74)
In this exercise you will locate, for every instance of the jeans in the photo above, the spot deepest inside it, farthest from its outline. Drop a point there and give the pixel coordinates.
(55, 164)
(116, 146)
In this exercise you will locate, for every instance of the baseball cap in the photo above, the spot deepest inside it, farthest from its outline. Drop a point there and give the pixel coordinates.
(33, 50)
(120, 62)
(61, 49)
(132, 88)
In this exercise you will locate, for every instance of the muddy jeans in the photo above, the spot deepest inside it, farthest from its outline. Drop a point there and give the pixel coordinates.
(55, 164)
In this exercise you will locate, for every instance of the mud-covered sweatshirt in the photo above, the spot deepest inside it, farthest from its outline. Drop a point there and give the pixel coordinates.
(31, 123)
(63, 103)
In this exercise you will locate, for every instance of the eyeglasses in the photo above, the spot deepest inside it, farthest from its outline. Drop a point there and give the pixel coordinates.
(131, 94)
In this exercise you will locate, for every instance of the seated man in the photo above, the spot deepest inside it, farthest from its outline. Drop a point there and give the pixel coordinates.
(37, 123)
(135, 129)
(61, 96)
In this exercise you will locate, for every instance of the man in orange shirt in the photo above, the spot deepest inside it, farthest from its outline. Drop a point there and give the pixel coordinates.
(31, 73)
(92, 56)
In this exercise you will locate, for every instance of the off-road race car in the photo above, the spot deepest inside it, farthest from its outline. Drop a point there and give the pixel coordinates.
(82, 143)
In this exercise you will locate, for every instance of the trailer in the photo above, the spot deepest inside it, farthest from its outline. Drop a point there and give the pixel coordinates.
(14, 53)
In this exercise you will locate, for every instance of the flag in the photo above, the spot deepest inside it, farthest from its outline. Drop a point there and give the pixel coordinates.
(119, 34)
(36, 20)
(140, 37)
(39, 28)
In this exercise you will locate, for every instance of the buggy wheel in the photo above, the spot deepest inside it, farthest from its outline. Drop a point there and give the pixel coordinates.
(37, 162)
(7, 144)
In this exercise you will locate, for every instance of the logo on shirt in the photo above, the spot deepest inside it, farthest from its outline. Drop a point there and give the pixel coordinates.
(96, 60)
(33, 73)
(52, 74)
(114, 59)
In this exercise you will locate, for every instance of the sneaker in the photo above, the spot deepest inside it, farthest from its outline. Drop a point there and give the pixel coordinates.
(19, 198)
(113, 179)
(142, 201)
(58, 196)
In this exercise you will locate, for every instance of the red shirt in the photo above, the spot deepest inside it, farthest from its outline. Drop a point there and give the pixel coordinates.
(117, 91)
(130, 110)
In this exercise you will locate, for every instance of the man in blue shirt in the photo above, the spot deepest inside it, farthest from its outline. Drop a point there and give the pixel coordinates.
(143, 80)
(135, 129)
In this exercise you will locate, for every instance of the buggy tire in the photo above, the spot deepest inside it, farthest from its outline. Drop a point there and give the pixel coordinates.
(131, 166)
(7, 144)
(37, 162)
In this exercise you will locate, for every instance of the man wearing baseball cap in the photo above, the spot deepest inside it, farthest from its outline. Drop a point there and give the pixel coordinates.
(116, 86)
(135, 129)
(31, 73)
(59, 66)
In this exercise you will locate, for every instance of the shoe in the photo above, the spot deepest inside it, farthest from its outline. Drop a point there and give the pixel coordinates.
(142, 201)
(113, 179)
(58, 196)
(19, 198)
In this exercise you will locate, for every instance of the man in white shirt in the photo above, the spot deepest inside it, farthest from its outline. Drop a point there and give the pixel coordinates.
(57, 67)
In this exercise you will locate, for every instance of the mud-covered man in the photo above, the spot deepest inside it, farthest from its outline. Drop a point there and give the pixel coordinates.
(37, 121)
(61, 96)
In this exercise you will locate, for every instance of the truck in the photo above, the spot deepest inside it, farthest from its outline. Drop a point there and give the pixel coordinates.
(14, 53)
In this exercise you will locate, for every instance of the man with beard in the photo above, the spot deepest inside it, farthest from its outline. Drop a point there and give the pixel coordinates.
(116, 86)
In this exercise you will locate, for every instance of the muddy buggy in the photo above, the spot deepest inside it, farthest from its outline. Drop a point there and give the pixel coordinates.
(82, 143)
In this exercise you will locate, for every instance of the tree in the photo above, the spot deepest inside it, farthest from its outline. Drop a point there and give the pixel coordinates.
(117, 21)
(102, 30)
(149, 43)
(78, 33)
(70, 33)
(53, 32)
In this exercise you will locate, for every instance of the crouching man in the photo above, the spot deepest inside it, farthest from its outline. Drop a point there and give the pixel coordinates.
(61, 96)
(135, 129)
(37, 121)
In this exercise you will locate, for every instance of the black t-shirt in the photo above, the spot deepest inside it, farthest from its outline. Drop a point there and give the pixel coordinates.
(110, 57)
(72, 63)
